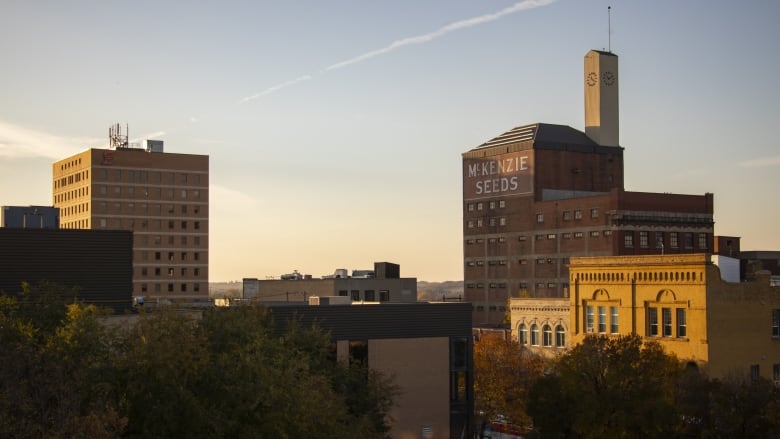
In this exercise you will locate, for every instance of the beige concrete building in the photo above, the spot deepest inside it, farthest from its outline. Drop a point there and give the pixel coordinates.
(384, 284)
(541, 324)
(162, 197)
(681, 302)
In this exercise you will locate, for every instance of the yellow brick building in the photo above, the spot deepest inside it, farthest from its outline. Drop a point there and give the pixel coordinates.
(681, 302)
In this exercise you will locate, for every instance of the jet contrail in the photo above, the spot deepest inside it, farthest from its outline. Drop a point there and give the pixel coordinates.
(275, 88)
(462, 24)
(419, 39)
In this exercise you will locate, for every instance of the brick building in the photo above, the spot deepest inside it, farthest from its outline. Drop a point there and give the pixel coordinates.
(540, 194)
(161, 197)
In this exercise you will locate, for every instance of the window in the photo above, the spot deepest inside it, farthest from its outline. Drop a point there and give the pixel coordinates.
(602, 319)
(492, 204)
(643, 239)
(577, 235)
(157, 256)
(551, 236)
(681, 326)
(384, 295)
(157, 271)
(595, 234)
(183, 287)
(613, 320)
(673, 240)
(539, 217)
(776, 323)
(628, 239)
(502, 221)
(170, 288)
(370, 296)
(534, 335)
(566, 235)
(355, 295)
(546, 336)
(776, 373)
(702, 240)
(492, 222)
(471, 207)
(479, 206)
(566, 215)
(652, 322)
(659, 239)
(588, 319)
(688, 240)
(470, 224)
(578, 214)
(666, 315)
(523, 334)
(755, 372)
(343, 293)
(560, 337)
(594, 213)
(501, 204)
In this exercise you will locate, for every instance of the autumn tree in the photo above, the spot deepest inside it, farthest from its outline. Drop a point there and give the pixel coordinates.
(504, 373)
(608, 387)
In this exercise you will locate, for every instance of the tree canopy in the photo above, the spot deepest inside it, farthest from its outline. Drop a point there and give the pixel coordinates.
(222, 373)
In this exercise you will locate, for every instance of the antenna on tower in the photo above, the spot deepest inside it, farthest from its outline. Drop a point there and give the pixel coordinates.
(609, 28)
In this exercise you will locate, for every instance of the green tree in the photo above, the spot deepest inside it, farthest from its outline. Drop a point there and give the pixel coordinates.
(608, 387)
(504, 373)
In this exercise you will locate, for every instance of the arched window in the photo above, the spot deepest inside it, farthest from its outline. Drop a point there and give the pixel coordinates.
(523, 334)
(560, 337)
(546, 336)
(534, 335)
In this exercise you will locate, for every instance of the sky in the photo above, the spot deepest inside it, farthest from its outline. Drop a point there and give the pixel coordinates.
(335, 128)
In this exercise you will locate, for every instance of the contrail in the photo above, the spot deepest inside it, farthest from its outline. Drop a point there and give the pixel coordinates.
(419, 39)
(275, 88)
(462, 24)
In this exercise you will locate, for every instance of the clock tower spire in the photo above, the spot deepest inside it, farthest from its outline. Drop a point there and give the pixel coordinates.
(601, 98)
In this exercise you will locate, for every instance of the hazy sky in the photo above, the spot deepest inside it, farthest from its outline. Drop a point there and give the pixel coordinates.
(335, 128)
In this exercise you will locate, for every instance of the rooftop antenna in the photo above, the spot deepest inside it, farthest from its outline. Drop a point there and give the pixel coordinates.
(609, 29)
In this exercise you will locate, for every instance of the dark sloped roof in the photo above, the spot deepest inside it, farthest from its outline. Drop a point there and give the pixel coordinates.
(543, 135)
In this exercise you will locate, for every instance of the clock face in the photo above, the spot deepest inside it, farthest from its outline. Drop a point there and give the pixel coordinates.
(592, 79)
(608, 78)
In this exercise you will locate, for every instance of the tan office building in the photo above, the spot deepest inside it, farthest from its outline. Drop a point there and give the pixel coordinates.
(162, 197)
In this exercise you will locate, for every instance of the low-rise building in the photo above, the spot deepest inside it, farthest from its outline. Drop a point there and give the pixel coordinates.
(426, 347)
(541, 324)
(681, 302)
(383, 284)
(97, 263)
(30, 217)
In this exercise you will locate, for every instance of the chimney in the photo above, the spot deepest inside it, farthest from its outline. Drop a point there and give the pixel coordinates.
(601, 98)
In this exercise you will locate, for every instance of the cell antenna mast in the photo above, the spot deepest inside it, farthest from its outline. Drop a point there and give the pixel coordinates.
(609, 28)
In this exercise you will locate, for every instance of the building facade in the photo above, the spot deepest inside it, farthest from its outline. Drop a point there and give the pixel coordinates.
(30, 217)
(541, 325)
(96, 263)
(163, 198)
(681, 302)
(383, 284)
(540, 194)
(426, 347)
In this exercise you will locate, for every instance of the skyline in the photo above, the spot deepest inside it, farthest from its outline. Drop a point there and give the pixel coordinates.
(335, 131)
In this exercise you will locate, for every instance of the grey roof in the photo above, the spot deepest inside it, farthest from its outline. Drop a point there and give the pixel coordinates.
(543, 136)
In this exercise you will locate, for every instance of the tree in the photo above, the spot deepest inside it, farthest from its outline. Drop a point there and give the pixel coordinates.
(504, 373)
(608, 387)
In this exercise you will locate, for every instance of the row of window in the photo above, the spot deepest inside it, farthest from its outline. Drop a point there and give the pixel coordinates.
(643, 276)
(183, 271)
(68, 165)
(660, 240)
(158, 239)
(78, 224)
(170, 287)
(776, 323)
(492, 308)
(171, 256)
(547, 335)
(492, 205)
(592, 325)
(367, 295)
(492, 222)
(164, 177)
(144, 208)
(567, 215)
(502, 262)
(154, 193)
(521, 285)
(130, 224)
(71, 194)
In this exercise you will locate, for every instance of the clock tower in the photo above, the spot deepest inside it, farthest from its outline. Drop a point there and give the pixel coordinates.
(601, 98)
